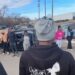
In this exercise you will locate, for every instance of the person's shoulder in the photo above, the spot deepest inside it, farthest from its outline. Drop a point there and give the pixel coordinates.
(26, 53)
(65, 54)
(68, 55)
(63, 31)
(56, 32)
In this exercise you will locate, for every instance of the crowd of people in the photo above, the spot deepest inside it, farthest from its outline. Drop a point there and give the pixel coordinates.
(9, 40)
(60, 35)
(47, 56)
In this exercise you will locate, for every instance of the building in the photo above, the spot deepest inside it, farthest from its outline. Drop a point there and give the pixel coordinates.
(67, 16)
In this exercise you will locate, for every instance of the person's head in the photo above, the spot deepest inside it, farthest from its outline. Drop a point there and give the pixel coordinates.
(59, 27)
(45, 31)
(69, 28)
(25, 32)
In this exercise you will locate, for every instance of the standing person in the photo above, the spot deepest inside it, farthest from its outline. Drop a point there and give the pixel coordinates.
(1, 39)
(5, 41)
(69, 37)
(59, 36)
(12, 40)
(26, 42)
(46, 58)
(30, 34)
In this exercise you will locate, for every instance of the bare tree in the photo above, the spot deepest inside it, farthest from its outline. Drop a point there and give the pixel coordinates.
(3, 11)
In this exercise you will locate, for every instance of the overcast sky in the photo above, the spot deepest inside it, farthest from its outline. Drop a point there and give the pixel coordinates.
(29, 8)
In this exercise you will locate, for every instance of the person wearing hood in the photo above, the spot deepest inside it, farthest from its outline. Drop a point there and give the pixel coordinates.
(46, 58)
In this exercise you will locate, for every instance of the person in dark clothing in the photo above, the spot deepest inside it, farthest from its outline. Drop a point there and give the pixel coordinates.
(12, 40)
(46, 58)
(2, 70)
(5, 47)
(69, 37)
(31, 37)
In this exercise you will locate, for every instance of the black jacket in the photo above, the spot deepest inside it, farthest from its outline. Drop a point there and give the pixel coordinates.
(2, 70)
(46, 60)
(70, 37)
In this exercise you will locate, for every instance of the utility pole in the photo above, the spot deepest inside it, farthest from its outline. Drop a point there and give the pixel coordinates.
(45, 7)
(4, 10)
(52, 12)
(39, 9)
